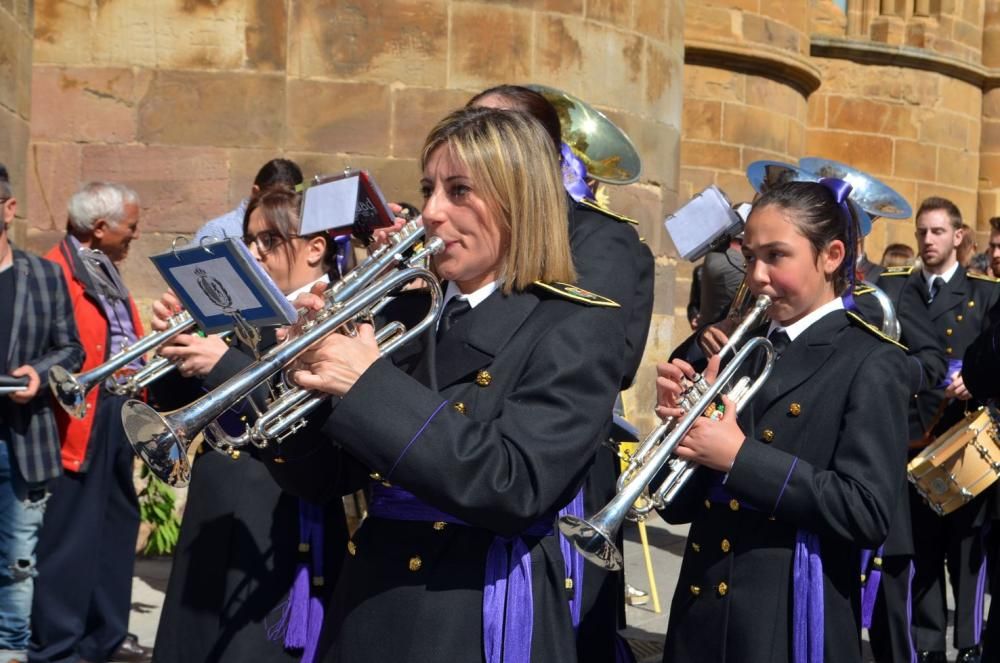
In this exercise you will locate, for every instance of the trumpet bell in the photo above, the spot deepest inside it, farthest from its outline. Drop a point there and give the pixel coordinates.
(871, 195)
(606, 151)
(595, 545)
(157, 442)
(68, 391)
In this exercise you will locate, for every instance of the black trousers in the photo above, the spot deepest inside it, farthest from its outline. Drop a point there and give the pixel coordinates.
(955, 540)
(890, 636)
(86, 551)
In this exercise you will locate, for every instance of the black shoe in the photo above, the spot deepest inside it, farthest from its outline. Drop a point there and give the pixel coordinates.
(969, 655)
(931, 657)
(130, 651)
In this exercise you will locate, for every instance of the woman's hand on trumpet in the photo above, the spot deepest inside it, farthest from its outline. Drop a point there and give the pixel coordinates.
(163, 309)
(333, 364)
(194, 355)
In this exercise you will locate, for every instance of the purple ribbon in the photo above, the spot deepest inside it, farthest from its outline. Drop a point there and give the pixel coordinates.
(345, 254)
(953, 366)
(807, 606)
(574, 175)
(841, 190)
(302, 618)
(871, 579)
(573, 559)
(508, 607)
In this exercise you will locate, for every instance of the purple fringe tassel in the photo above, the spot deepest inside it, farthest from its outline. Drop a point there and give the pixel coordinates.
(302, 618)
(807, 607)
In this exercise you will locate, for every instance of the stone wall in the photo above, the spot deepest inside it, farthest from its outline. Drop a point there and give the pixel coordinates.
(185, 99)
(15, 100)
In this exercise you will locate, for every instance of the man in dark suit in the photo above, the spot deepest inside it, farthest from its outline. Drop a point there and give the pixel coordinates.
(37, 332)
(957, 304)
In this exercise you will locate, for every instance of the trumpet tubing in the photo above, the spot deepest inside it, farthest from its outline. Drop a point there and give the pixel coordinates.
(162, 440)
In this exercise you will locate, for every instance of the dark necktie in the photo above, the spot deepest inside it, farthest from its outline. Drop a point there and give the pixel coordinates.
(936, 283)
(779, 339)
(453, 310)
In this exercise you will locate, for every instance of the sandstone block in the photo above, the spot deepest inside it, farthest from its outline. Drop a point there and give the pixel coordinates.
(906, 188)
(958, 168)
(615, 12)
(243, 167)
(265, 35)
(572, 54)
(179, 187)
(991, 104)
(658, 145)
(63, 33)
(915, 160)
(88, 104)
(53, 175)
(748, 155)
(10, 63)
(989, 206)
(372, 41)
(704, 22)
(711, 83)
(37, 241)
(664, 81)
(990, 139)
(702, 120)
(140, 275)
(816, 110)
(989, 171)
(864, 115)
(969, 35)
(991, 46)
(755, 127)
(796, 139)
(945, 129)
(794, 14)
(650, 18)
(964, 198)
(960, 97)
(775, 97)
(769, 32)
(692, 181)
(865, 151)
(710, 155)
(735, 185)
(221, 109)
(338, 117)
(495, 45)
(415, 112)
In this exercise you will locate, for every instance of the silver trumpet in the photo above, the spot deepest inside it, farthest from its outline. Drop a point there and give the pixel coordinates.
(71, 389)
(594, 537)
(162, 440)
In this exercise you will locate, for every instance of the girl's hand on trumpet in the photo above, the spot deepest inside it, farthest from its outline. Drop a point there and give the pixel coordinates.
(671, 381)
(194, 355)
(712, 442)
(166, 307)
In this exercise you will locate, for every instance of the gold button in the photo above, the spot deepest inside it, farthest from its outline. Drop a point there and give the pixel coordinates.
(375, 476)
(416, 563)
(387, 484)
(949, 331)
(439, 525)
(972, 304)
(569, 583)
(734, 505)
(767, 435)
(459, 407)
(695, 590)
(959, 317)
(877, 562)
(723, 589)
(708, 505)
(483, 378)
(948, 351)
(234, 454)
(304, 547)
(352, 549)
(795, 409)
(318, 581)
(725, 545)
(695, 547)
(279, 460)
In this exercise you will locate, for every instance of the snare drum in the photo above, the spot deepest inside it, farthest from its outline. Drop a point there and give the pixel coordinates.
(959, 465)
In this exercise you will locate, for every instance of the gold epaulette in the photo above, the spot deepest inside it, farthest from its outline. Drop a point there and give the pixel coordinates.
(982, 277)
(577, 294)
(872, 329)
(903, 270)
(590, 204)
(862, 289)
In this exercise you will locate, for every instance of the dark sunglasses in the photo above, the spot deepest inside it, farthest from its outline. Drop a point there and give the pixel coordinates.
(266, 240)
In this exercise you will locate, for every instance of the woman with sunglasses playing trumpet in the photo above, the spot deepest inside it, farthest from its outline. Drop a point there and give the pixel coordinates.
(479, 433)
(237, 555)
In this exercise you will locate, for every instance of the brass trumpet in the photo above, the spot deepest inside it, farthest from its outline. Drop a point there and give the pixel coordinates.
(162, 440)
(594, 537)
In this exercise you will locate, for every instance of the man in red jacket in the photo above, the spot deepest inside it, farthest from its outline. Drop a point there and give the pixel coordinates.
(86, 550)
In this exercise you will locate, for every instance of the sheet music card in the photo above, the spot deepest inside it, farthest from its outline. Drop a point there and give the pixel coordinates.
(219, 282)
(345, 204)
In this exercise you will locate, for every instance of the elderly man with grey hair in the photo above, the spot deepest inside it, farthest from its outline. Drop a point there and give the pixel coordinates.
(86, 550)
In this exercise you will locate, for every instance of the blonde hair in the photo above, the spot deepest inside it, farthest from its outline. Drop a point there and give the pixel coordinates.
(515, 169)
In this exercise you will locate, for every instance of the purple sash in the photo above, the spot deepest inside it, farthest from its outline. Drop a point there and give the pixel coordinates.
(508, 607)
(573, 559)
(871, 578)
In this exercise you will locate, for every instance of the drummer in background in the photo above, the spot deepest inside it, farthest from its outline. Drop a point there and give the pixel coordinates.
(957, 304)
(612, 260)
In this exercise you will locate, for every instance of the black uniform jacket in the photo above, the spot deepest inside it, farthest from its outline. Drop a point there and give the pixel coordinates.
(825, 453)
(496, 425)
(612, 261)
(235, 561)
(981, 366)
